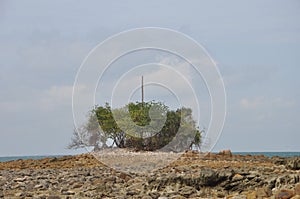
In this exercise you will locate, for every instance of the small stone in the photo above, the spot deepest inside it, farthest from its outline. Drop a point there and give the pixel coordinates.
(75, 186)
(187, 191)
(251, 195)
(263, 192)
(63, 190)
(250, 177)
(284, 194)
(69, 193)
(38, 186)
(237, 177)
(20, 179)
(296, 197)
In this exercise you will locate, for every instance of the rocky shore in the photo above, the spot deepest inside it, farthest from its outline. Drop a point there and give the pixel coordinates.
(220, 175)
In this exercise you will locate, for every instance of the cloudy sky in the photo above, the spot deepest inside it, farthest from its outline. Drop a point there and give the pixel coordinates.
(256, 45)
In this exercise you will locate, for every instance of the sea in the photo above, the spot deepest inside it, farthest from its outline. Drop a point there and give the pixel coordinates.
(268, 154)
(34, 157)
(271, 154)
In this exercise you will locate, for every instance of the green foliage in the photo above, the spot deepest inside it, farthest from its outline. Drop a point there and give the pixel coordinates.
(141, 126)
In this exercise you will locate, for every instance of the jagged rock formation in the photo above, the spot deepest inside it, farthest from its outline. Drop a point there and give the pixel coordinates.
(220, 175)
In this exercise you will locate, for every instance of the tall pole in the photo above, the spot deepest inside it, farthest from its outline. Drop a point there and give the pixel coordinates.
(142, 89)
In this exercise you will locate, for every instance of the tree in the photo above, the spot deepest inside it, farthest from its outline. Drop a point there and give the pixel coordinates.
(142, 126)
(109, 126)
(89, 135)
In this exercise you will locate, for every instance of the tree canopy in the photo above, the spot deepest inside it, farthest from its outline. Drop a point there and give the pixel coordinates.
(141, 126)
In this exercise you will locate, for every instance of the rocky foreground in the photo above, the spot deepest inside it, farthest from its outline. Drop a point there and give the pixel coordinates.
(191, 176)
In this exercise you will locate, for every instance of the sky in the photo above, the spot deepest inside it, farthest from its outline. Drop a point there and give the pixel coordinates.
(256, 45)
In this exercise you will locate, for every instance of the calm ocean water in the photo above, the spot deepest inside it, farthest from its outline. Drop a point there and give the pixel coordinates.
(268, 154)
(35, 157)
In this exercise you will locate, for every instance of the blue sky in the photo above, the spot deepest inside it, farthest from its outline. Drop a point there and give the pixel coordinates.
(256, 45)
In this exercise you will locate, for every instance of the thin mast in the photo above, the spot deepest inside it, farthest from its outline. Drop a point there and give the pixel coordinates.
(142, 89)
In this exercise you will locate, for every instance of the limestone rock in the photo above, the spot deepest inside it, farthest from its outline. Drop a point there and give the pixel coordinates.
(237, 177)
(263, 192)
(251, 195)
(187, 191)
(293, 164)
(68, 192)
(20, 179)
(296, 197)
(284, 194)
(297, 189)
(226, 153)
(191, 176)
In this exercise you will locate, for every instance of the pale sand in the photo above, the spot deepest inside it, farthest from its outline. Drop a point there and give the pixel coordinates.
(136, 162)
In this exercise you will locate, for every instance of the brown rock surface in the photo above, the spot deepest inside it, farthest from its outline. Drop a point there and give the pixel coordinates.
(192, 175)
(284, 194)
(83, 160)
(297, 189)
(263, 192)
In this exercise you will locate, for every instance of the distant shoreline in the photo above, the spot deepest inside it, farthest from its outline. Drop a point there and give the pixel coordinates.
(38, 157)
(33, 157)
